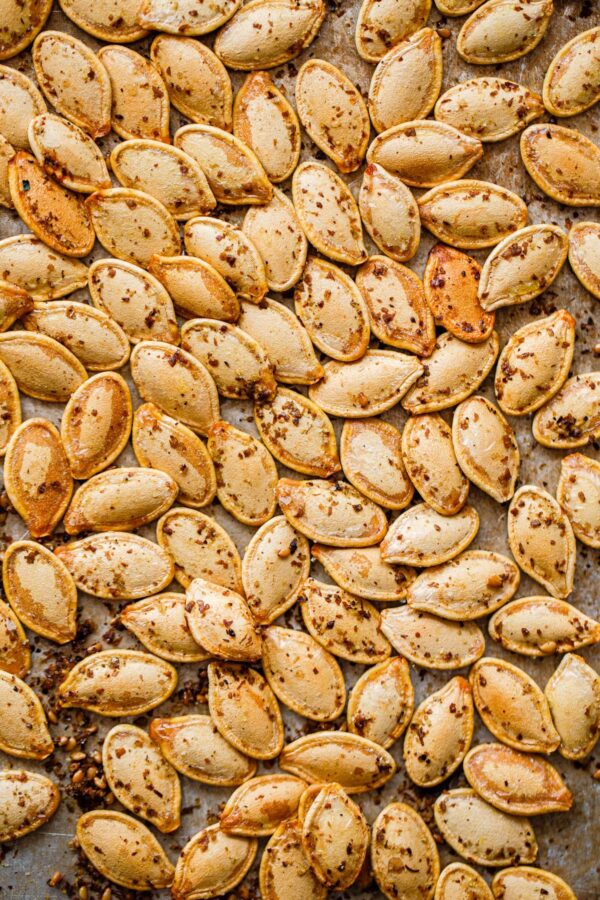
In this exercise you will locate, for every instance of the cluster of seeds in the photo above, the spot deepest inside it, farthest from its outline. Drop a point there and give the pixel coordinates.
(349, 343)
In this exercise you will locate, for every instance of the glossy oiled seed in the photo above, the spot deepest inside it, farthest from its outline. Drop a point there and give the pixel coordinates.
(132, 225)
(159, 623)
(578, 493)
(200, 548)
(303, 675)
(482, 834)
(503, 30)
(389, 213)
(275, 566)
(431, 464)
(220, 621)
(74, 81)
(422, 537)
(284, 869)
(225, 247)
(41, 366)
(363, 571)
(572, 417)
(572, 82)
(380, 26)
(23, 728)
(471, 214)
(14, 303)
(117, 566)
(490, 109)
(123, 850)
(335, 837)
(22, 22)
(20, 102)
(275, 231)
(10, 407)
(258, 807)
(541, 540)
(68, 154)
(45, 274)
(140, 102)
(40, 591)
(527, 883)
(440, 734)
(195, 748)
(372, 460)
(512, 706)
(244, 709)
(584, 254)
(407, 81)
(27, 800)
(140, 777)
(486, 447)
(185, 18)
(352, 761)
(381, 702)
(431, 642)
(14, 644)
(459, 880)
(573, 695)
(534, 363)
(399, 832)
(285, 341)
(563, 163)
(96, 423)
(517, 783)
(118, 683)
(539, 626)
(451, 282)
(248, 492)
(212, 863)
(195, 287)
(99, 19)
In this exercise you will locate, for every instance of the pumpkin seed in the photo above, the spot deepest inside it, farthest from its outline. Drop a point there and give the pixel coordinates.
(140, 102)
(228, 250)
(185, 18)
(244, 709)
(133, 226)
(286, 27)
(333, 113)
(372, 461)
(563, 163)
(458, 8)
(491, 109)
(503, 30)
(159, 623)
(407, 81)
(432, 642)
(584, 255)
(486, 447)
(381, 702)
(275, 566)
(258, 807)
(534, 363)
(512, 706)
(195, 748)
(36, 476)
(123, 850)
(20, 102)
(572, 417)
(40, 591)
(15, 655)
(177, 383)
(265, 121)
(522, 882)
(220, 621)
(368, 386)
(328, 212)
(517, 783)
(197, 82)
(118, 683)
(212, 863)
(390, 214)
(431, 464)
(195, 287)
(451, 283)
(471, 214)
(398, 312)
(347, 626)
(284, 868)
(234, 173)
(352, 761)
(117, 566)
(200, 548)
(422, 537)
(424, 153)
(22, 21)
(573, 695)
(331, 513)
(7, 151)
(41, 367)
(88, 333)
(284, 340)
(96, 424)
(380, 27)
(541, 539)
(248, 492)
(363, 572)
(140, 777)
(275, 231)
(23, 728)
(68, 154)
(335, 837)
(578, 493)
(538, 626)
(10, 407)
(28, 801)
(572, 84)
(399, 832)
(459, 880)
(106, 20)
(454, 370)
(482, 834)
(440, 734)
(55, 215)
(304, 676)
(46, 275)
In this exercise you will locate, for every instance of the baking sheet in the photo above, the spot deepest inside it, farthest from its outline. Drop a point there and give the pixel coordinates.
(568, 842)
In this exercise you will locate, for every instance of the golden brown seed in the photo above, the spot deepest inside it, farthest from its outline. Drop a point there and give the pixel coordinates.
(572, 82)
(431, 642)
(335, 837)
(258, 807)
(422, 537)
(220, 621)
(22, 22)
(99, 20)
(523, 881)
(572, 417)
(363, 572)
(396, 830)
(7, 151)
(372, 460)
(275, 231)
(15, 655)
(573, 695)
(491, 109)
(389, 213)
(41, 366)
(538, 626)
(20, 101)
(185, 18)
(195, 287)
(563, 163)
(503, 30)
(284, 869)
(354, 762)
(140, 102)
(212, 863)
(30, 264)
(459, 880)
(23, 728)
(381, 702)
(68, 154)
(159, 623)
(380, 27)
(275, 566)
(228, 250)
(200, 548)
(584, 255)
(578, 492)
(248, 492)
(451, 282)
(431, 464)
(27, 800)
(486, 447)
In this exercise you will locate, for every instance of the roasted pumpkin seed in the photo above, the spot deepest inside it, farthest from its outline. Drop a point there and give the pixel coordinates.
(195, 287)
(14, 304)
(486, 447)
(451, 282)
(352, 761)
(248, 492)
(363, 572)
(275, 566)
(390, 214)
(159, 623)
(10, 407)
(15, 655)
(491, 109)
(572, 82)
(22, 21)
(399, 832)
(284, 868)
(381, 703)
(538, 626)
(275, 231)
(200, 548)
(335, 837)
(20, 102)
(380, 27)
(523, 882)
(41, 367)
(23, 728)
(68, 154)
(572, 417)
(185, 18)
(563, 163)
(457, 8)
(459, 880)
(133, 226)
(372, 460)
(431, 464)
(46, 275)
(584, 254)
(105, 20)
(503, 30)
(578, 492)
(28, 801)
(7, 151)
(422, 537)
(258, 807)
(140, 102)
(228, 250)
(212, 863)
(573, 695)
(220, 621)
(432, 642)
